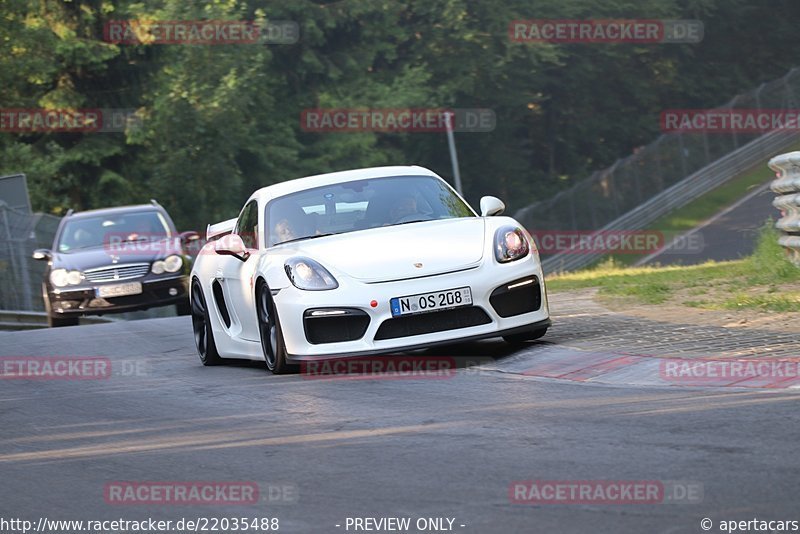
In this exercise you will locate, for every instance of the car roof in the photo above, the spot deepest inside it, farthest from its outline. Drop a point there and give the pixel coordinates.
(118, 210)
(309, 182)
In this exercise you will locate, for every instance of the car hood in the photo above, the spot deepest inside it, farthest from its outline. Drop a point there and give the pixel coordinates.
(90, 258)
(403, 251)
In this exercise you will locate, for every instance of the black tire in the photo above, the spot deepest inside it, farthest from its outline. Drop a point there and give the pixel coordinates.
(531, 335)
(55, 322)
(184, 308)
(201, 325)
(269, 329)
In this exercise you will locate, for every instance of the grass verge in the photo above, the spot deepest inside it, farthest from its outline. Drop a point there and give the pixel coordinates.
(766, 281)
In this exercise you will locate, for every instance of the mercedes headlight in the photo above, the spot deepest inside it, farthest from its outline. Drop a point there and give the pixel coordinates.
(172, 264)
(63, 277)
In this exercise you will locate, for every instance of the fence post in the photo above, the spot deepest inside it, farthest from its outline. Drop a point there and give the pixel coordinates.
(12, 259)
(23, 258)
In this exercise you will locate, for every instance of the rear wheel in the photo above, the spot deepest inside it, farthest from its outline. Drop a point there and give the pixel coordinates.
(531, 335)
(269, 329)
(203, 336)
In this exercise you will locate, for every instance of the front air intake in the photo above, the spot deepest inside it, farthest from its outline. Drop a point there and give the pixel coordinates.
(334, 325)
(517, 297)
(427, 323)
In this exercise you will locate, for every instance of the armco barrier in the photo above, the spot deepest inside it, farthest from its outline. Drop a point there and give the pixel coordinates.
(787, 185)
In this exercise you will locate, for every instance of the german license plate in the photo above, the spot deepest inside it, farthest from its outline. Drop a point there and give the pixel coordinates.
(119, 290)
(427, 302)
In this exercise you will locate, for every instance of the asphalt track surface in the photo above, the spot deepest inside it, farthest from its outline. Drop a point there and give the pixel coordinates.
(418, 448)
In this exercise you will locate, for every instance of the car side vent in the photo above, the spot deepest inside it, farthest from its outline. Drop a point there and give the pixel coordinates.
(219, 298)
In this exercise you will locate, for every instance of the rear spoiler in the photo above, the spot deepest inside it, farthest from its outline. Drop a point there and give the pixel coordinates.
(220, 229)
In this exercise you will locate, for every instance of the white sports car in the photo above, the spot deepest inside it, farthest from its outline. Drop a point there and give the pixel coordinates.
(363, 262)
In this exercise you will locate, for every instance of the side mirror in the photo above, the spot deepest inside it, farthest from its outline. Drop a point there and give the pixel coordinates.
(491, 206)
(231, 245)
(189, 236)
(42, 254)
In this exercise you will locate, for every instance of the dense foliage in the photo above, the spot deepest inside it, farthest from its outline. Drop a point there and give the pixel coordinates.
(222, 120)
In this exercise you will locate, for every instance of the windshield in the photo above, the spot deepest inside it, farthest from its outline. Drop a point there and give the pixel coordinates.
(359, 205)
(90, 232)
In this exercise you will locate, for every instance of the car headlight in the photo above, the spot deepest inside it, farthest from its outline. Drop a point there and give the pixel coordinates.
(307, 274)
(74, 278)
(63, 277)
(510, 244)
(172, 264)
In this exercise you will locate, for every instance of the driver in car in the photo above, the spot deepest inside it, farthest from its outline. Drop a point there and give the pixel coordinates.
(403, 207)
(284, 231)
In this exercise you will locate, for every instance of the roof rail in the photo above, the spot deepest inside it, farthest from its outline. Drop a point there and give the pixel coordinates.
(154, 202)
(69, 212)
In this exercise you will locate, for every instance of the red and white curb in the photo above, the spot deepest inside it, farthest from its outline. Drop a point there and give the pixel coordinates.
(620, 368)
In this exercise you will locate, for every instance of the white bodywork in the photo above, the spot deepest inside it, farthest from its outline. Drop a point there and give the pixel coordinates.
(373, 264)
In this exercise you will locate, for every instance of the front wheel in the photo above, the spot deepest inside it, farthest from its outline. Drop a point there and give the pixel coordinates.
(269, 329)
(531, 335)
(203, 336)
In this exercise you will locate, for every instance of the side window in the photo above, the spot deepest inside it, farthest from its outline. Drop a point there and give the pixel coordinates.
(247, 225)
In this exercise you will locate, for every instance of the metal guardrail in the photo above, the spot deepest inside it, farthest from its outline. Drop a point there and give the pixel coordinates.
(26, 320)
(680, 194)
(787, 185)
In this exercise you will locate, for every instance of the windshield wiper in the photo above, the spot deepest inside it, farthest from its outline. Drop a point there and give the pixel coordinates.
(315, 236)
(409, 222)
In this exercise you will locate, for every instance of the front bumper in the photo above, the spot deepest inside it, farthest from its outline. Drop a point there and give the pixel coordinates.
(482, 320)
(82, 300)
